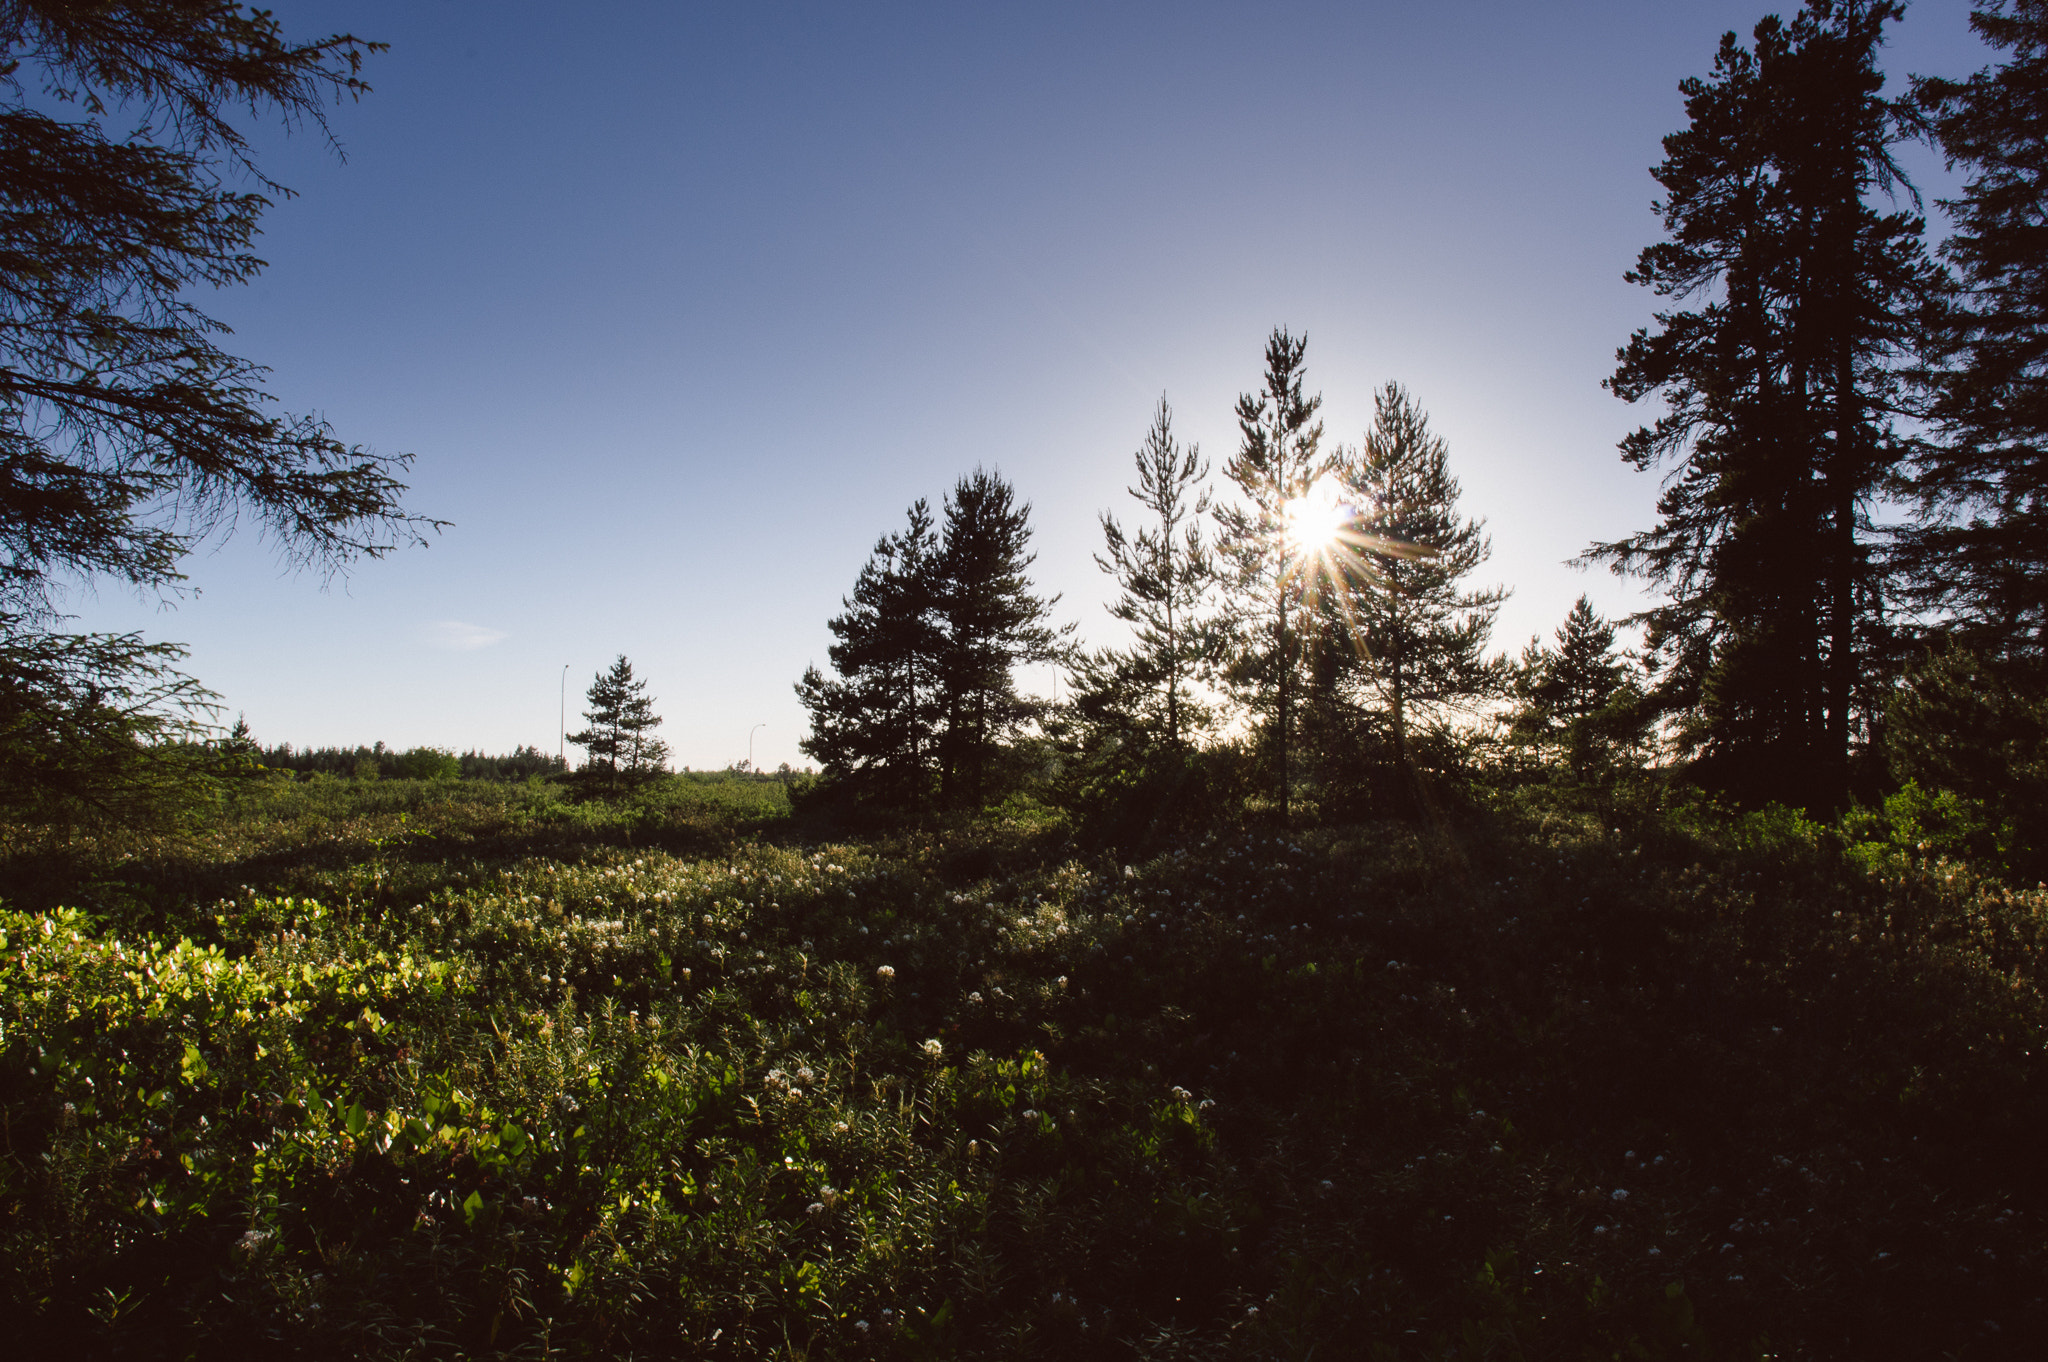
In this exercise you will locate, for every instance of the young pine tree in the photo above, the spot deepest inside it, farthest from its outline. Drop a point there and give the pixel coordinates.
(876, 724)
(1164, 572)
(1418, 633)
(1277, 461)
(991, 621)
(1579, 695)
(623, 751)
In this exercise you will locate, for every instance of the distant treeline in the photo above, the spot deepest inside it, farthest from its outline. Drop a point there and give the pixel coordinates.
(418, 763)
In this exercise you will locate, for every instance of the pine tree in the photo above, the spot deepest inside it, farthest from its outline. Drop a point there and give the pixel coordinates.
(938, 620)
(1165, 572)
(1277, 461)
(623, 751)
(875, 725)
(1410, 636)
(1978, 559)
(1579, 694)
(1785, 391)
(992, 621)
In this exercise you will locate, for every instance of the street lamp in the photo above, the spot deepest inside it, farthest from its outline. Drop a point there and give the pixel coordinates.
(750, 744)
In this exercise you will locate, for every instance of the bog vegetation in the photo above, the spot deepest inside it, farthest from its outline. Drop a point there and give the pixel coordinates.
(1313, 979)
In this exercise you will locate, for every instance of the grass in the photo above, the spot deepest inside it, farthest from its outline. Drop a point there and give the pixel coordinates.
(447, 1069)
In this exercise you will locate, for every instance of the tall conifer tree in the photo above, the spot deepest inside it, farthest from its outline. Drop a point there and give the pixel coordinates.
(992, 620)
(876, 723)
(1165, 572)
(1979, 557)
(1278, 459)
(1784, 388)
(1417, 630)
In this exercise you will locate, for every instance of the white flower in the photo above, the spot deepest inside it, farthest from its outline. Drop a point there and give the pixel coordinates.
(1621, 1194)
(885, 973)
(933, 1049)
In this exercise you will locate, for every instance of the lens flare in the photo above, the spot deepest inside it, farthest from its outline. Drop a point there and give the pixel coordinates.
(1317, 518)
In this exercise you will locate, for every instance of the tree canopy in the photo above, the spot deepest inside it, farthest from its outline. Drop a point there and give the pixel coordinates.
(126, 433)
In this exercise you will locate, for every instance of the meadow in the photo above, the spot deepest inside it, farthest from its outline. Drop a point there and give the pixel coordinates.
(403, 1068)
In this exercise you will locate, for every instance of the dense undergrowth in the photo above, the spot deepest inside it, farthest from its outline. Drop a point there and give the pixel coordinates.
(400, 1068)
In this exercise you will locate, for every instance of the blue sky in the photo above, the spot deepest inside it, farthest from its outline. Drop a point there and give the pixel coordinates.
(681, 305)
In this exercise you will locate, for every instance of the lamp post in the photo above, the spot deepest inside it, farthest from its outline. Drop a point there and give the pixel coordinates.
(750, 744)
(562, 722)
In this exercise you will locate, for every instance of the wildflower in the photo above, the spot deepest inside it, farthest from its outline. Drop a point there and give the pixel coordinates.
(815, 1208)
(1062, 981)
(1621, 1194)
(885, 973)
(974, 998)
(933, 1049)
(1181, 1094)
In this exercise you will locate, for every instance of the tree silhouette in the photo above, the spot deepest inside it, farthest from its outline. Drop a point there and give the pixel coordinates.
(126, 434)
(1784, 390)
(1164, 573)
(938, 620)
(1277, 460)
(1979, 557)
(623, 751)
(992, 620)
(1580, 693)
(1408, 634)
(876, 724)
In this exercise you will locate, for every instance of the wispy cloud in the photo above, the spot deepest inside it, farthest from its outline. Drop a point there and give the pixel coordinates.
(460, 637)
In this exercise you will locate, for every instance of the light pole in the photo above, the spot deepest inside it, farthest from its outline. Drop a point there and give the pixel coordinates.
(750, 744)
(562, 722)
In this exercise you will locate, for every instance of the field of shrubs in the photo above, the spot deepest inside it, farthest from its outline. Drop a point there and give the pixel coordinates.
(451, 1068)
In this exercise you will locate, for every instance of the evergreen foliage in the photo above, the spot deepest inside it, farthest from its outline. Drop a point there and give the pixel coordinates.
(1978, 560)
(1784, 393)
(1404, 634)
(1164, 573)
(623, 751)
(99, 730)
(1580, 696)
(993, 621)
(872, 727)
(939, 619)
(1976, 727)
(1278, 459)
(126, 434)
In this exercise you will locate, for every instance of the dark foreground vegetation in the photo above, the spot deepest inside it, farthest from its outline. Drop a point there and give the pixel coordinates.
(409, 1068)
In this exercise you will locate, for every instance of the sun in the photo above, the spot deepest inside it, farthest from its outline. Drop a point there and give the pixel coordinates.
(1316, 519)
